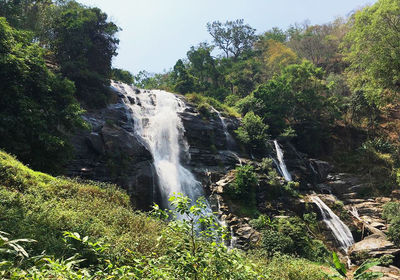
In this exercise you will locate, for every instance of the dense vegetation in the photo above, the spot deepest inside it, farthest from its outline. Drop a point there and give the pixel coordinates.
(309, 83)
(43, 217)
(312, 84)
(55, 59)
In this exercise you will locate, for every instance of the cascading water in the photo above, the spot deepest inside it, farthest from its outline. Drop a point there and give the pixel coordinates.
(160, 128)
(230, 142)
(282, 166)
(340, 231)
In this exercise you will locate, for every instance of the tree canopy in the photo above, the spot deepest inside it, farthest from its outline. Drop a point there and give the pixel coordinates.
(37, 107)
(373, 50)
(232, 37)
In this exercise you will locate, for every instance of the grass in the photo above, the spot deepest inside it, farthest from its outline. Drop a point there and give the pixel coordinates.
(41, 207)
(38, 206)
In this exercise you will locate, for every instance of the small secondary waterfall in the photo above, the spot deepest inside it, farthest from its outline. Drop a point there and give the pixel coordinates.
(230, 142)
(282, 166)
(340, 231)
(158, 125)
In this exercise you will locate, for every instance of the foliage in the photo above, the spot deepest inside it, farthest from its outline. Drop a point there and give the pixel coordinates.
(373, 51)
(84, 44)
(183, 80)
(290, 236)
(275, 56)
(201, 100)
(232, 37)
(253, 132)
(26, 14)
(37, 107)
(245, 181)
(391, 212)
(319, 43)
(360, 273)
(122, 76)
(286, 267)
(37, 206)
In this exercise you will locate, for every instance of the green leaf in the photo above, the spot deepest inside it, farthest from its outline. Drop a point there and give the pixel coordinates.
(340, 267)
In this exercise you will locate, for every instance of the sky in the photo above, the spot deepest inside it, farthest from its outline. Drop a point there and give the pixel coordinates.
(156, 33)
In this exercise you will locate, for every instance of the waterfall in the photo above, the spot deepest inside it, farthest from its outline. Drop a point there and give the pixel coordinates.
(159, 127)
(340, 231)
(230, 142)
(282, 166)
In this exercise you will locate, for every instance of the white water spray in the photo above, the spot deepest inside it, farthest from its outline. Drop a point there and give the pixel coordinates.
(159, 127)
(282, 166)
(340, 231)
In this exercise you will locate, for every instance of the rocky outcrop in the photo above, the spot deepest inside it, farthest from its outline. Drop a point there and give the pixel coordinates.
(364, 214)
(242, 233)
(207, 142)
(309, 172)
(374, 245)
(109, 151)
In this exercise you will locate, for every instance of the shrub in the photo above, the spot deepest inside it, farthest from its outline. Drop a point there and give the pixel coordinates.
(266, 164)
(245, 180)
(274, 241)
(391, 212)
(253, 132)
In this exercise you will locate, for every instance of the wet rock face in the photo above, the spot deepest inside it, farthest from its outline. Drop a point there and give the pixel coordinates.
(109, 151)
(309, 172)
(207, 141)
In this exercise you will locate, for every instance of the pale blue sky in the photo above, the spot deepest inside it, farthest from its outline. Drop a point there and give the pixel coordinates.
(156, 33)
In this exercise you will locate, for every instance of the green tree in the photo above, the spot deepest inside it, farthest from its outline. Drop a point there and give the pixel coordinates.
(122, 76)
(202, 67)
(275, 34)
(245, 180)
(182, 79)
(37, 107)
(84, 44)
(372, 48)
(253, 132)
(26, 14)
(232, 37)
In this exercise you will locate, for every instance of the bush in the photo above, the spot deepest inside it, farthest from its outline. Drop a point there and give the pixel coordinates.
(253, 132)
(274, 241)
(289, 268)
(391, 212)
(291, 236)
(245, 180)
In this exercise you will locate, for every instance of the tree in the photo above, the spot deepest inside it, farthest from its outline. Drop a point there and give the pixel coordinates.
(372, 48)
(297, 99)
(84, 44)
(275, 56)
(319, 43)
(253, 132)
(232, 37)
(183, 81)
(26, 14)
(37, 107)
(275, 34)
(202, 67)
(122, 76)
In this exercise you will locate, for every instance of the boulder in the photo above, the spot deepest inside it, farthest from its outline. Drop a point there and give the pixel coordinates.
(374, 245)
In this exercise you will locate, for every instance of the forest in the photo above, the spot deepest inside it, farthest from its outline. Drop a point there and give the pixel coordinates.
(330, 90)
